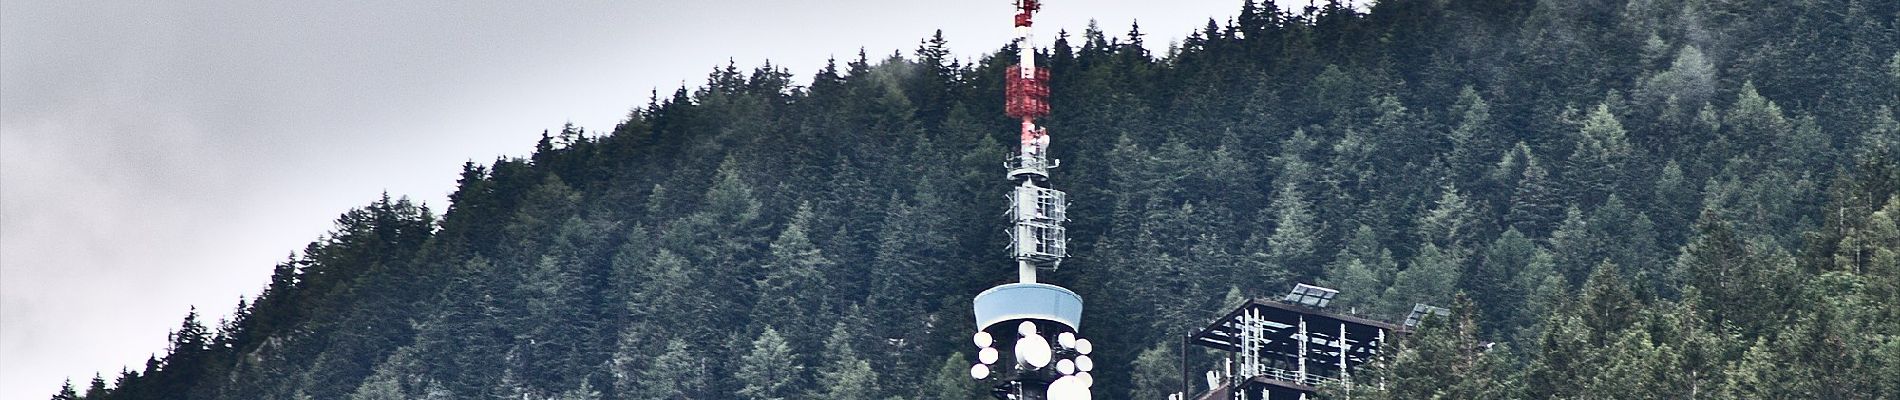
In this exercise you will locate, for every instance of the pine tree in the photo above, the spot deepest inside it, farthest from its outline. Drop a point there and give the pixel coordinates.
(1597, 166)
(770, 371)
(1563, 361)
(1690, 80)
(1549, 294)
(97, 389)
(677, 373)
(952, 381)
(1493, 285)
(1573, 247)
(1535, 207)
(1156, 372)
(1293, 243)
(1674, 203)
(845, 375)
(1361, 271)
(1451, 223)
(1754, 123)
(1473, 138)
(1443, 359)
(793, 277)
(66, 391)
(1431, 279)
(1608, 305)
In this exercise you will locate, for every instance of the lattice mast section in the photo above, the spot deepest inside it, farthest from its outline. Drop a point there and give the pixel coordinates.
(1038, 239)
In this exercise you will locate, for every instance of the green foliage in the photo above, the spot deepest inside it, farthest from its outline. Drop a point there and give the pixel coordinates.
(677, 373)
(1443, 359)
(1157, 372)
(771, 371)
(1431, 279)
(952, 381)
(1361, 271)
(846, 375)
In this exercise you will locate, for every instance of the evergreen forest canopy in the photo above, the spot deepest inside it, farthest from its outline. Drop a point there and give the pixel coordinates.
(1637, 199)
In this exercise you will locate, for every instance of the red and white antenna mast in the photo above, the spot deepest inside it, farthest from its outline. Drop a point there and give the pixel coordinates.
(1028, 87)
(1027, 339)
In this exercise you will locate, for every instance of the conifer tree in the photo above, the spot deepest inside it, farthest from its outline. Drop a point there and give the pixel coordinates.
(1572, 246)
(952, 381)
(1496, 295)
(1292, 245)
(1473, 138)
(677, 373)
(1597, 165)
(1549, 293)
(1431, 279)
(1754, 123)
(1156, 372)
(1535, 207)
(97, 389)
(846, 376)
(66, 392)
(1674, 203)
(1443, 359)
(771, 370)
(794, 275)
(1361, 271)
(1607, 306)
(1451, 223)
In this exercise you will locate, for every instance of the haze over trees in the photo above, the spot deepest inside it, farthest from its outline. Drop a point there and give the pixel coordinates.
(1637, 199)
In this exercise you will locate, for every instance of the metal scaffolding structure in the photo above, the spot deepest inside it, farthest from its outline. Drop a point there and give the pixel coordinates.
(1289, 348)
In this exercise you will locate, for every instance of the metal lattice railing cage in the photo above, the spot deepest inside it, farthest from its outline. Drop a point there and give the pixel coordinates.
(1040, 242)
(1030, 203)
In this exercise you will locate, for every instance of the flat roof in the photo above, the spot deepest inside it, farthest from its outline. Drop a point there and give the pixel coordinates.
(1224, 332)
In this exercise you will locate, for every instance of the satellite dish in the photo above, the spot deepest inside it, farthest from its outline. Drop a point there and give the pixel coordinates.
(979, 371)
(1067, 388)
(1033, 350)
(987, 355)
(982, 339)
(1083, 346)
(1065, 366)
(1084, 363)
(1066, 339)
(1027, 328)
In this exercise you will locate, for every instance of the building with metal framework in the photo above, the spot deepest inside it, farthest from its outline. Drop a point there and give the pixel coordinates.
(1287, 349)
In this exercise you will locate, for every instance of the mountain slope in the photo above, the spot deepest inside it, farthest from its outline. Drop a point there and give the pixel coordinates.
(1706, 187)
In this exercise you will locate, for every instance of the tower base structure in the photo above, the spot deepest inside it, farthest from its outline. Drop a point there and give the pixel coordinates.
(1027, 344)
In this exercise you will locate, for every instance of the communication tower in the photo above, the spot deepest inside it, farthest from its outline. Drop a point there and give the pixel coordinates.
(1027, 338)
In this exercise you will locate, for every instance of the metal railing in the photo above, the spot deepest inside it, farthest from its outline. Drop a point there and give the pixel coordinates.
(1294, 376)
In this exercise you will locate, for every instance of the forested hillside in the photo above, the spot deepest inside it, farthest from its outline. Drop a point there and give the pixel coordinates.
(1638, 199)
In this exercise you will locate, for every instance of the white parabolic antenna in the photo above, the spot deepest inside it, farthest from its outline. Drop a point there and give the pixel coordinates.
(1034, 350)
(1068, 388)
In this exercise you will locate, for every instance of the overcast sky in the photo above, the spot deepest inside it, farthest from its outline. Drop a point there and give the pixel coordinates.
(160, 155)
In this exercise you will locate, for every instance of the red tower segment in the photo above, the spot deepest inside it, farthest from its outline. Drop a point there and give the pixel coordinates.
(1027, 97)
